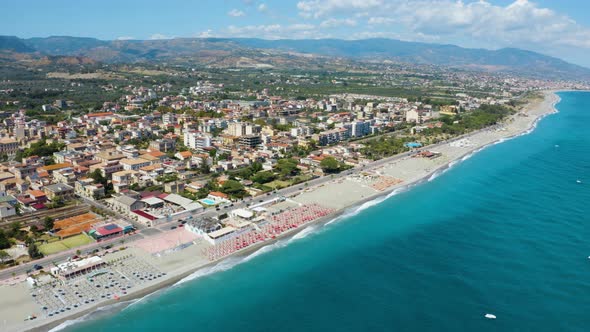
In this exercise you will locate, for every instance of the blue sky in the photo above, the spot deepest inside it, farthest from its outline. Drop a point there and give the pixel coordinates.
(558, 28)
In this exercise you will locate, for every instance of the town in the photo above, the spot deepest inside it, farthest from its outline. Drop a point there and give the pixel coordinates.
(210, 171)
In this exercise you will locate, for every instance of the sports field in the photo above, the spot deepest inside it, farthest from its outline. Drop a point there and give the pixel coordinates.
(65, 244)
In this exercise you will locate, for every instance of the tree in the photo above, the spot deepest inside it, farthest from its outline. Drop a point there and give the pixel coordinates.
(287, 167)
(330, 165)
(256, 167)
(263, 177)
(4, 240)
(14, 229)
(233, 188)
(34, 252)
(48, 223)
(212, 153)
(204, 168)
(4, 256)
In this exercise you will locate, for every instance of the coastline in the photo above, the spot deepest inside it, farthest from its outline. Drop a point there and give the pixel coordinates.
(180, 274)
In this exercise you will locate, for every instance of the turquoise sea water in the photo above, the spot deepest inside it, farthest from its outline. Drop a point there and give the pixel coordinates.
(505, 232)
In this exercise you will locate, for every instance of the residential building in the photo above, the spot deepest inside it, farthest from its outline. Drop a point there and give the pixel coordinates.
(127, 204)
(59, 191)
(134, 164)
(8, 146)
(163, 145)
(88, 189)
(6, 210)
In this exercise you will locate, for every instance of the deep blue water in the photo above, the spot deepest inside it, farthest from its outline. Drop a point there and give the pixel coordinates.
(505, 232)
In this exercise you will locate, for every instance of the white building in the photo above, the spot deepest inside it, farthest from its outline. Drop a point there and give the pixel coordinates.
(197, 141)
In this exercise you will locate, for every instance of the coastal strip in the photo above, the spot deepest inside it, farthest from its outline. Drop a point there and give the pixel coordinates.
(420, 171)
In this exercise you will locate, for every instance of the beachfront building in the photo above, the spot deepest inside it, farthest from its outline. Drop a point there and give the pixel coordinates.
(101, 232)
(73, 269)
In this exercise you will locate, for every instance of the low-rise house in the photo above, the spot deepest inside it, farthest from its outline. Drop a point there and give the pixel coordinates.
(88, 189)
(134, 164)
(6, 210)
(59, 191)
(126, 204)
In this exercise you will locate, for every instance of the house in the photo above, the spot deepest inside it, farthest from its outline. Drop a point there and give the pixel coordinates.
(134, 164)
(87, 188)
(183, 155)
(6, 210)
(218, 196)
(52, 168)
(8, 146)
(59, 191)
(174, 187)
(413, 116)
(163, 145)
(127, 204)
(38, 196)
(123, 179)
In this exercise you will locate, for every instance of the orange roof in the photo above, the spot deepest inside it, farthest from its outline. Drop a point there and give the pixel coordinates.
(54, 167)
(95, 115)
(157, 154)
(74, 230)
(218, 194)
(186, 154)
(75, 225)
(43, 174)
(79, 219)
(36, 193)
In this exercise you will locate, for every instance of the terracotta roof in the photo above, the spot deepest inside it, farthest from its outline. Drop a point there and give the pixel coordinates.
(54, 167)
(36, 193)
(95, 115)
(218, 194)
(185, 154)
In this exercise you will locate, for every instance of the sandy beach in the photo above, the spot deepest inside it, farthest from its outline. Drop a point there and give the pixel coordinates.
(339, 195)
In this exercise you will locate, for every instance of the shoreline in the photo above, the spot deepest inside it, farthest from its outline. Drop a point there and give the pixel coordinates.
(176, 276)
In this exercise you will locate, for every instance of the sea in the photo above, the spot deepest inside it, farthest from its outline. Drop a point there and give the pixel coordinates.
(504, 232)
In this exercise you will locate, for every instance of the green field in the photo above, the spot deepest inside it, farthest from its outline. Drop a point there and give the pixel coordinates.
(278, 184)
(65, 244)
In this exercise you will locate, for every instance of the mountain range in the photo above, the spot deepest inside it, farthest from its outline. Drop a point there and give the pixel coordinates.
(254, 51)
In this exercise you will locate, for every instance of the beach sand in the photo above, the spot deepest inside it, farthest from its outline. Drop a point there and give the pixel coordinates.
(341, 194)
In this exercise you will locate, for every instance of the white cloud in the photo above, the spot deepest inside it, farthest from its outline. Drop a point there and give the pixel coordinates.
(274, 31)
(521, 23)
(379, 20)
(413, 37)
(262, 7)
(319, 8)
(126, 38)
(336, 22)
(205, 34)
(236, 13)
(160, 36)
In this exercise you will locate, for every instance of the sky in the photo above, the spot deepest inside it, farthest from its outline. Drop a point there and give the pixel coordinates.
(557, 28)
